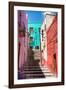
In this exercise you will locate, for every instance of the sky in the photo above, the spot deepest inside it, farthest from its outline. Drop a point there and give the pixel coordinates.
(35, 17)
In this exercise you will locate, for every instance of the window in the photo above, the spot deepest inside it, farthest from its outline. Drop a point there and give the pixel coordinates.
(39, 29)
(31, 47)
(42, 35)
(31, 29)
(31, 38)
(37, 47)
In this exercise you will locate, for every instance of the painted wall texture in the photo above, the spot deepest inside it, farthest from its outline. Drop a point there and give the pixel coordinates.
(52, 46)
(49, 17)
(49, 44)
(22, 37)
(44, 41)
(35, 20)
(35, 34)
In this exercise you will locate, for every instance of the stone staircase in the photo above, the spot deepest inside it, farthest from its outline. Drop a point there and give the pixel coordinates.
(37, 54)
(35, 72)
(47, 72)
(33, 69)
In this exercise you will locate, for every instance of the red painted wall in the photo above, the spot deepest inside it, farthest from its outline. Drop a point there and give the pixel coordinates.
(52, 47)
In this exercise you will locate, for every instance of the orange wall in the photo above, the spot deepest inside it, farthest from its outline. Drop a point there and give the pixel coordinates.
(52, 47)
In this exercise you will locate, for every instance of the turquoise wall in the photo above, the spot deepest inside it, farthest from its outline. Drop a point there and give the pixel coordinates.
(35, 34)
(35, 20)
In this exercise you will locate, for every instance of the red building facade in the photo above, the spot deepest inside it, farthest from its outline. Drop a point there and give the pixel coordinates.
(52, 47)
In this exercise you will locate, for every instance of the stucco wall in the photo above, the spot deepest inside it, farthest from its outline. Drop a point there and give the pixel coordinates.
(52, 48)
(23, 40)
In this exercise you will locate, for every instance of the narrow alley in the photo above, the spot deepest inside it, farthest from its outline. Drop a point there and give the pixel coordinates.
(33, 68)
(37, 45)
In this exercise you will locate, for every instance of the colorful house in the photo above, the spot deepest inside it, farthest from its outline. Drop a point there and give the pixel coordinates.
(34, 30)
(52, 46)
(49, 41)
(22, 38)
(35, 19)
(44, 42)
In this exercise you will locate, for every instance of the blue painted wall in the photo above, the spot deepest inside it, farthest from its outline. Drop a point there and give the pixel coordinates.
(35, 34)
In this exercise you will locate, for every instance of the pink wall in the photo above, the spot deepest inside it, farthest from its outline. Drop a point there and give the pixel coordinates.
(23, 40)
(52, 47)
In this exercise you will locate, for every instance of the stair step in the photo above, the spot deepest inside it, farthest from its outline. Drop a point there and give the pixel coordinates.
(46, 70)
(30, 66)
(34, 72)
(37, 70)
(50, 75)
(34, 75)
(37, 57)
(36, 66)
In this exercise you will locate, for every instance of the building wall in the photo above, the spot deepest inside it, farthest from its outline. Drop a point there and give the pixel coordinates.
(49, 16)
(44, 41)
(49, 39)
(35, 34)
(49, 19)
(22, 38)
(52, 46)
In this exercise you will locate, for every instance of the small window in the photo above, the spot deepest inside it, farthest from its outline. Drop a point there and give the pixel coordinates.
(37, 47)
(31, 38)
(31, 47)
(31, 29)
(54, 56)
(39, 29)
(42, 33)
(42, 30)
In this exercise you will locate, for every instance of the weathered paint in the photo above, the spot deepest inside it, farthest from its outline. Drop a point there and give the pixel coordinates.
(50, 50)
(52, 47)
(35, 34)
(23, 40)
